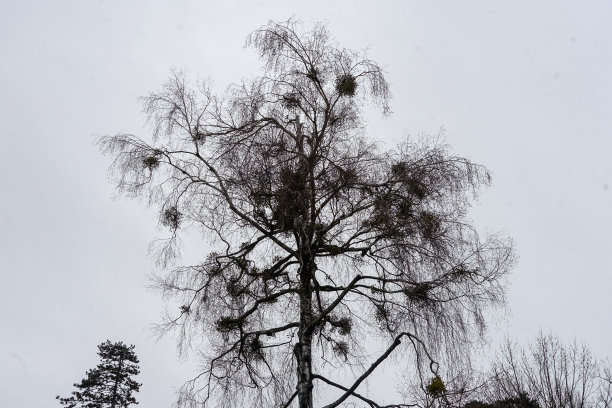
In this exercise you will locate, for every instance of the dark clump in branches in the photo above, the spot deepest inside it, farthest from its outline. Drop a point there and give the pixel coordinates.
(346, 84)
(151, 162)
(171, 217)
(436, 387)
(321, 234)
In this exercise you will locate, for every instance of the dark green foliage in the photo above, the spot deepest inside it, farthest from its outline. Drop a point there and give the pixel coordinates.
(346, 85)
(436, 387)
(110, 383)
(477, 404)
(520, 401)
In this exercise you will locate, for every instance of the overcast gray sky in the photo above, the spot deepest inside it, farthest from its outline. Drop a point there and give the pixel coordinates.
(523, 87)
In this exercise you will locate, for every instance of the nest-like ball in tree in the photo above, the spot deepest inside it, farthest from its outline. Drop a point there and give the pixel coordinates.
(346, 84)
(436, 387)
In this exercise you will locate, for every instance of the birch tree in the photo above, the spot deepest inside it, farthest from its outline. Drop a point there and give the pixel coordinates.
(324, 240)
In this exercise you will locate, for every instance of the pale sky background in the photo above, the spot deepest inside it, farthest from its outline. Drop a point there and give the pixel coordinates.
(523, 87)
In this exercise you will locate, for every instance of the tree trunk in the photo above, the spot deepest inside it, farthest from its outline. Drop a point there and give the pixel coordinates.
(116, 385)
(303, 349)
(304, 237)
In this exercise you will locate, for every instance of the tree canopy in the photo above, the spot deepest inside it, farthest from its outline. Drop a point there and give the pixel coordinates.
(110, 384)
(323, 238)
(520, 401)
(552, 373)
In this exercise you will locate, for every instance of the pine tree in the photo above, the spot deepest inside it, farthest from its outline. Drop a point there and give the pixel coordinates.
(110, 383)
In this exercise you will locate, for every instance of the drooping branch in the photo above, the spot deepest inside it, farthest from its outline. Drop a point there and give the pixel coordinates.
(350, 391)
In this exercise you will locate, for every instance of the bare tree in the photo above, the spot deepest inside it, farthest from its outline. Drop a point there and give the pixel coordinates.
(324, 240)
(605, 384)
(552, 373)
